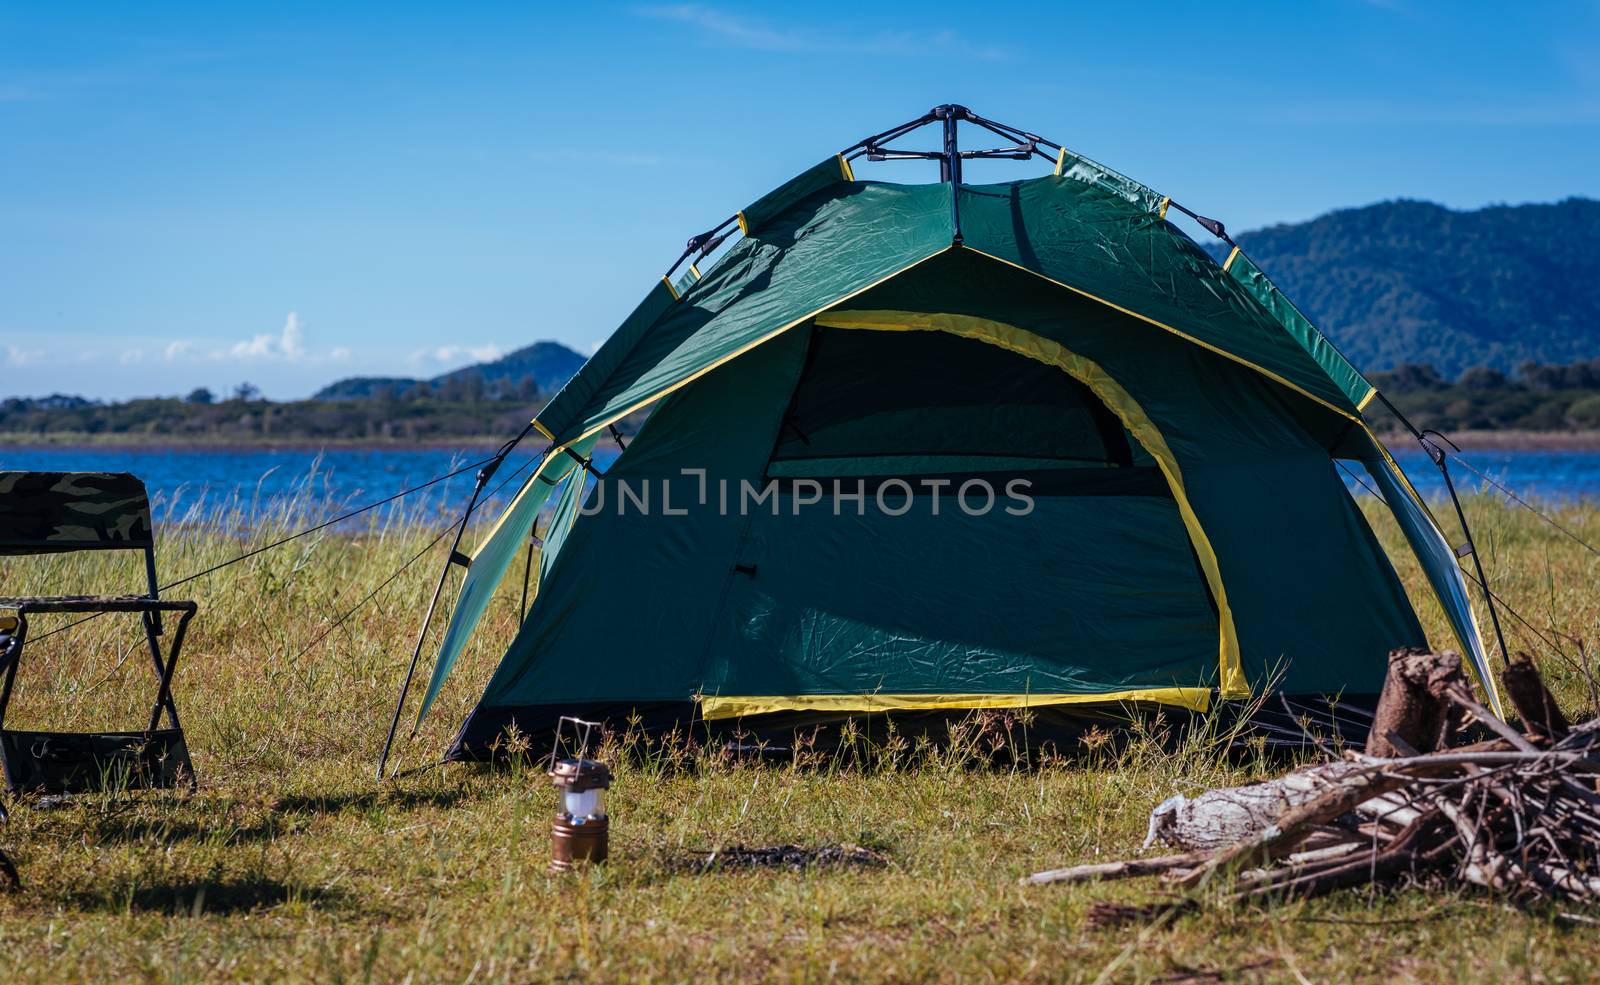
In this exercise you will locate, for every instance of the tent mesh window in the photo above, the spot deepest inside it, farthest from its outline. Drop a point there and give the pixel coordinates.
(880, 404)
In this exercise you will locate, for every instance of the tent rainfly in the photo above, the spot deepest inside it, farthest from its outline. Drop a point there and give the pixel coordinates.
(802, 530)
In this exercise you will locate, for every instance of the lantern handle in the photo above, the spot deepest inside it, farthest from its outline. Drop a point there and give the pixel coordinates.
(583, 742)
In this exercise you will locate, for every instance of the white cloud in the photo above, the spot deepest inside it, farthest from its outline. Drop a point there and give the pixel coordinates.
(293, 339)
(743, 32)
(131, 356)
(289, 343)
(258, 347)
(446, 354)
(18, 356)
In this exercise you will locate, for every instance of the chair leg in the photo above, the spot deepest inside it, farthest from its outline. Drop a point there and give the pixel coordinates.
(163, 672)
(12, 657)
(164, 690)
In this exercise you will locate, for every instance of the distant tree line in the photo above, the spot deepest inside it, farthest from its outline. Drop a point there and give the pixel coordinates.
(460, 406)
(1537, 397)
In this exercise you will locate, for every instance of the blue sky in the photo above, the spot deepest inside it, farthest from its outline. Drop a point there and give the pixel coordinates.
(290, 193)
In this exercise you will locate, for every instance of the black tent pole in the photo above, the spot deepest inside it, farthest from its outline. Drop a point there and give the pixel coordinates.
(950, 165)
(1436, 455)
(427, 619)
(454, 557)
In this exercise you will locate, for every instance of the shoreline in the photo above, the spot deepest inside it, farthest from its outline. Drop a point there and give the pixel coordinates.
(150, 443)
(1509, 440)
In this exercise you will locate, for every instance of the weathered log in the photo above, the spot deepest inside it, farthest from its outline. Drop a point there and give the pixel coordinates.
(1291, 828)
(1515, 817)
(1222, 817)
(1535, 705)
(1412, 705)
(1127, 869)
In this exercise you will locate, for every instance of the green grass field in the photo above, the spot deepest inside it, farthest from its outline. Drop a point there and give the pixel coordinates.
(291, 864)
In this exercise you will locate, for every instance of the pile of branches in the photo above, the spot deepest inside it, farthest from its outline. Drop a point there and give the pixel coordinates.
(1517, 814)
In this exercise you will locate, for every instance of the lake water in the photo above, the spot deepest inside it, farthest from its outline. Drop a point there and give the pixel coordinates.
(180, 478)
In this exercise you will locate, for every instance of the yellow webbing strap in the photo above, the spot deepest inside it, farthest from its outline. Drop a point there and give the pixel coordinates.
(718, 706)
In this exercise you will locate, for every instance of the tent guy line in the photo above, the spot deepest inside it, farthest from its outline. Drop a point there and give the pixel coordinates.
(247, 555)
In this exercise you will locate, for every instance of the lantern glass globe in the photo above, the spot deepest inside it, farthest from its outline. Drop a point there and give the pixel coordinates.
(584, 804)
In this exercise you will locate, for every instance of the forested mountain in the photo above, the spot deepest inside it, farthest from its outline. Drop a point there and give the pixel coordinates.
(543, 367)
(1414, 282)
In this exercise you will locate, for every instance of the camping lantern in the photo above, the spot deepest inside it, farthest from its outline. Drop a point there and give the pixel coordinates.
(581, 830)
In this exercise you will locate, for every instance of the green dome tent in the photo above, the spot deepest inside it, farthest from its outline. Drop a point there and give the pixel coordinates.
(922, 448)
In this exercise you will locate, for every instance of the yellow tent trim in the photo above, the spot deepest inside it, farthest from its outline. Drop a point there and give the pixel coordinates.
(1061, 161)
(505, 514)
(1362, 405)
(542, 429)
(695, 270)
(1133, 417)
(1232, 255)
(558, 450)
(1269, 374)
(845, 169)
(1162, 211)
(670, 288)
(717, 707)
(744, 227)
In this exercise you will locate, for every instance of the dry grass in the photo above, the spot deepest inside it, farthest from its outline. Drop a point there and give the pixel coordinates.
(290, 864)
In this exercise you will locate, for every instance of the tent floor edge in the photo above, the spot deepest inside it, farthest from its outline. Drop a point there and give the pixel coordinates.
(1286, 724)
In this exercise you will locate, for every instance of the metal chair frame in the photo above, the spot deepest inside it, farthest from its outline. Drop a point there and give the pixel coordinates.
(164, 660)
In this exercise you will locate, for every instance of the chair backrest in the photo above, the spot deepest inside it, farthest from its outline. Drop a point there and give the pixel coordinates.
(57, 512)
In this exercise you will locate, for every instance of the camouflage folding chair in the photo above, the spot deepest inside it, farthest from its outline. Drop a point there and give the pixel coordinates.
(59, 512)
